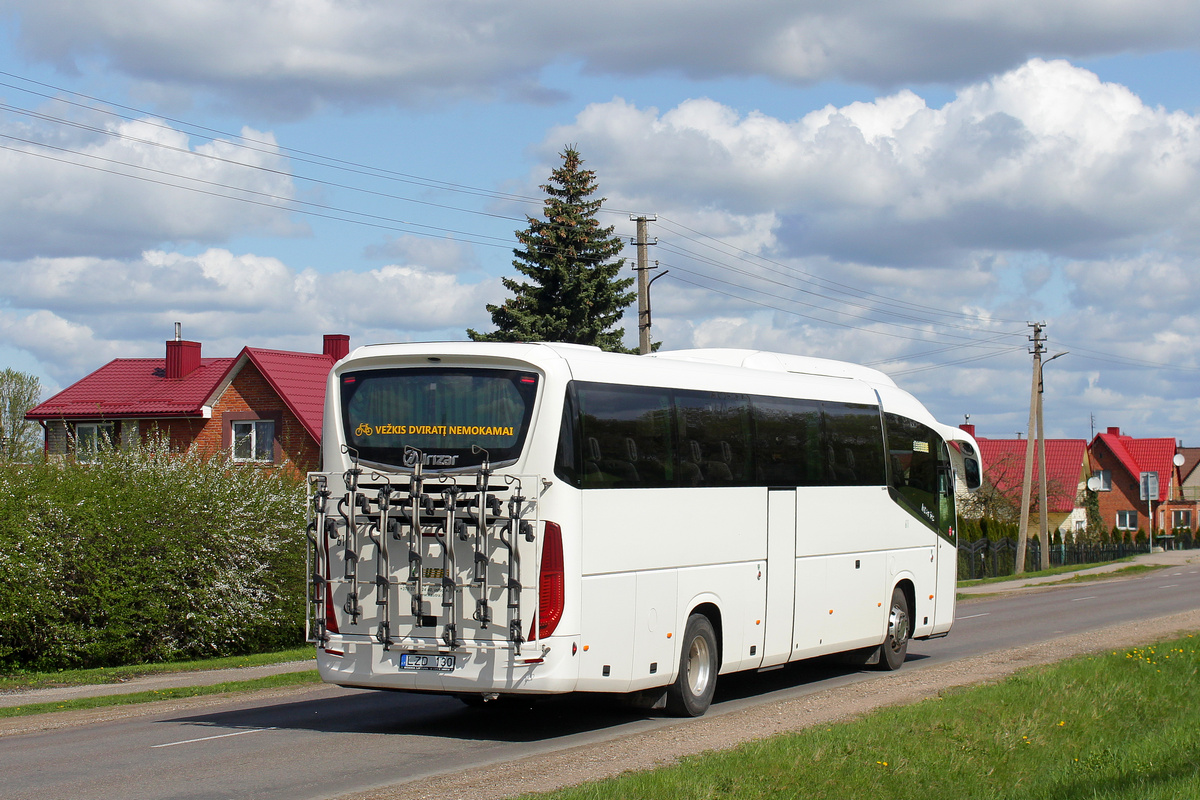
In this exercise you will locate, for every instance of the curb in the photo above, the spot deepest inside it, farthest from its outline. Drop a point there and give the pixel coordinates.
(149, 683)
(1166, 558)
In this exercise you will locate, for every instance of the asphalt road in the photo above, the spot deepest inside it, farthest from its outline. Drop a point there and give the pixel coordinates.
(325, 741)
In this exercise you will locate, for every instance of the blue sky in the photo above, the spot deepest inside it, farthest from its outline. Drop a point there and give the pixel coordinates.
(881, 184)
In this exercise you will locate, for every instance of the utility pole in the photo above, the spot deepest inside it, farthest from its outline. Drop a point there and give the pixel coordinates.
(643, 283)
(1044, 506)
(1027, 482)
(1043, 532)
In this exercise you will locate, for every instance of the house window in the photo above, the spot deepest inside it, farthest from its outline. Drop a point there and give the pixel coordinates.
(254, 440)
(1181, 518)
(91, 438)
(1127, 520)
(1103, 480)
(129, 434)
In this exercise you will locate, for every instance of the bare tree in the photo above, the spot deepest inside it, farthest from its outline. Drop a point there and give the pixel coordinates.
(1000, 496)
(19, 392)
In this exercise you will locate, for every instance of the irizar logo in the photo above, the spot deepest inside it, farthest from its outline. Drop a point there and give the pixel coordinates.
(430, 460)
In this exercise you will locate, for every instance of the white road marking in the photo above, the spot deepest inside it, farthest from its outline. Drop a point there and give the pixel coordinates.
(1089, 597)
(972, 616)
(1169, 586)
(209, 738)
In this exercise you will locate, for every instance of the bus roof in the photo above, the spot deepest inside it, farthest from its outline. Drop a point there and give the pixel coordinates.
(779, 362)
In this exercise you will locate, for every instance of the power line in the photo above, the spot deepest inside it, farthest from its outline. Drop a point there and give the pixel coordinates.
(830, 291)
(257, 167)
(854, 291)
(274, 148)
(795, 313)
(268, 146)
(874, 309)
(371, 220)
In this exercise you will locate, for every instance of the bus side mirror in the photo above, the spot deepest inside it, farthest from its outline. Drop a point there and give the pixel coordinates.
(973, 476)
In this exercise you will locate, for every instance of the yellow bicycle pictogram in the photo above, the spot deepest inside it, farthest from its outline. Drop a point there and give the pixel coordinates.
(363, 429)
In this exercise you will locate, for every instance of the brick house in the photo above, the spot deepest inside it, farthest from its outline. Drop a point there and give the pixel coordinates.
(261, 406)
(1118, 462)
(1067, 471)
(1189, 476)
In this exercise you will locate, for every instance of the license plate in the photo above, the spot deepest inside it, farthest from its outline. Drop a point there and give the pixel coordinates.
(438, 662)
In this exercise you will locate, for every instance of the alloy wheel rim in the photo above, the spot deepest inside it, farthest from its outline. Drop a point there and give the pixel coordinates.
(698, 667)
(898, 627)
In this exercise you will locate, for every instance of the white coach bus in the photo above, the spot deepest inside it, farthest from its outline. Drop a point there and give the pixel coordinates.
(498, 519)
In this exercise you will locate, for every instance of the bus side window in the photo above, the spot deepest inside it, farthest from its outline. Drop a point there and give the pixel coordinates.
(853, 444)
(921, 472)
(568, 458)
(787, 442)
(625, 432)
(713, 430)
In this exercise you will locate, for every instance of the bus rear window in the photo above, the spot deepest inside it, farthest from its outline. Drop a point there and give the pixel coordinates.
(443, 412)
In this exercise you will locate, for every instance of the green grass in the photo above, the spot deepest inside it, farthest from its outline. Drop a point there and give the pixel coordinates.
(268, 682)
(1044, 573)
(76, 677)
(1123, 572)
(1118, 726)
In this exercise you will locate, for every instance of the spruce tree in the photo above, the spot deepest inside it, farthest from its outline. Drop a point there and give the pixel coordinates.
(573, 292)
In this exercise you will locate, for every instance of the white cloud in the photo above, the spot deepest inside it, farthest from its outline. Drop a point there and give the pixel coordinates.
(75, 314)
(1045, 157)
(297, 56)
(112, 188)
(68, 349)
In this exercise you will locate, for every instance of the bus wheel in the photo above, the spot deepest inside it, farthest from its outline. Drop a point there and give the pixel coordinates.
(692, 691)
(895, 646)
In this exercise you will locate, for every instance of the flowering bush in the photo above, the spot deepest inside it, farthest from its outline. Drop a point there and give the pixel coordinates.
(146, 555)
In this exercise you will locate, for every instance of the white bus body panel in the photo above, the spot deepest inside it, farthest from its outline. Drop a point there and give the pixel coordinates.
(790, 573)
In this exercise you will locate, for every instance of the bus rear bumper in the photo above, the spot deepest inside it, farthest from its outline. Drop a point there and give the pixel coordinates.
(475, 671)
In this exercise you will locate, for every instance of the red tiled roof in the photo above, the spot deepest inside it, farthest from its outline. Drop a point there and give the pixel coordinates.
(1143, 455)
(299, 379)
(1004, 468)
(135, 387)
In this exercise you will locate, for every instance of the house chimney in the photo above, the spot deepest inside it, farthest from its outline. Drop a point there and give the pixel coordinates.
(337, 345)
(1114, 431)
(182, 357)
(968, 427)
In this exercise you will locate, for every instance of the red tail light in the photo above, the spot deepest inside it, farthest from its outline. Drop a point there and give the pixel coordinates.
(331, 624)
(551, 582)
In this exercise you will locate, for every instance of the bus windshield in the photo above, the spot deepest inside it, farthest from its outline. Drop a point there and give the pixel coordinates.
(455, 417)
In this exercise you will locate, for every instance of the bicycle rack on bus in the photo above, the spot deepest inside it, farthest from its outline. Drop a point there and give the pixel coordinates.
(470, 518)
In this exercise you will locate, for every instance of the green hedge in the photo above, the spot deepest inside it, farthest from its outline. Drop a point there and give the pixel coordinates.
(147, 556)
(970, 530)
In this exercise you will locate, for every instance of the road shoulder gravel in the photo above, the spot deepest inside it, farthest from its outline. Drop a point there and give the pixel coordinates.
(548, 771)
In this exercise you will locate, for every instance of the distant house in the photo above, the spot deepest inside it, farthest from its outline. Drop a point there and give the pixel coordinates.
(1067, 471)
(260, 406)
(1118, 462)
(1189, 476)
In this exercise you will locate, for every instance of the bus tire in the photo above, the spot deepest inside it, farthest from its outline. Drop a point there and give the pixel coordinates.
(895, 647)
(692, 692)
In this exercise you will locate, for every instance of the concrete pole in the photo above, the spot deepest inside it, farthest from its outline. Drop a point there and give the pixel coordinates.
(643, 284)
(1043, 532)
(1027, 482)
(643, 289)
